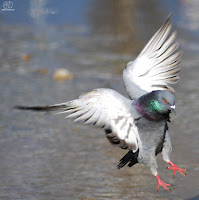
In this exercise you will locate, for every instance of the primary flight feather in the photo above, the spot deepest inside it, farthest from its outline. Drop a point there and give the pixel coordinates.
(138, 124)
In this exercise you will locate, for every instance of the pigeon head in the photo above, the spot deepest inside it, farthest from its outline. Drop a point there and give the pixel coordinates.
(156, 105)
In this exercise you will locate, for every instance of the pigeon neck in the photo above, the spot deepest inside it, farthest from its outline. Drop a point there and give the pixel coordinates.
(149, 107)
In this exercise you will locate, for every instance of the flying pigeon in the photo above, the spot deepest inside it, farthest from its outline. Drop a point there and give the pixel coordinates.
(139, 123)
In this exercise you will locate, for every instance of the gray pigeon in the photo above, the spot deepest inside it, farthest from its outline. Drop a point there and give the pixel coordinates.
(138, 124)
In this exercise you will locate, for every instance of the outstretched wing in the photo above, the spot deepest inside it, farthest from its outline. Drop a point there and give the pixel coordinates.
(104, 108)
(157, 65)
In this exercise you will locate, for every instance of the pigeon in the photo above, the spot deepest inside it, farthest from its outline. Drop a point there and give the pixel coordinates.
(138, 124)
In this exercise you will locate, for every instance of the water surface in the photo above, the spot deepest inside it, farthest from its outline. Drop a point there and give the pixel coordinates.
(47, 157)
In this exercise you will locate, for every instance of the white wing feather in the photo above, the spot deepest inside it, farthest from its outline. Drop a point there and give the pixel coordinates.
(157, 65)
(107, 109)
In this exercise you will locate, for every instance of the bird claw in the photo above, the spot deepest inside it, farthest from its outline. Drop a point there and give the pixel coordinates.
(161, 183)
(176, 168)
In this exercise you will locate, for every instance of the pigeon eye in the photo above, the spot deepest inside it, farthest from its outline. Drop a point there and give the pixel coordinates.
(165, 101)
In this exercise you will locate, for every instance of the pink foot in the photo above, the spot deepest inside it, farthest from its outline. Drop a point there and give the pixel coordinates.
(160, 183)
(176, 168)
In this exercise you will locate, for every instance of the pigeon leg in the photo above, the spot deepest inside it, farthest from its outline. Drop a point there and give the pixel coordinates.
(166, 151)
(167, 147)
(176, 168)
(161, 183)
(153, 169)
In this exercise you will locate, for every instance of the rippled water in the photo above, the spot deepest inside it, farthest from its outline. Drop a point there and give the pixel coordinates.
(44, 156)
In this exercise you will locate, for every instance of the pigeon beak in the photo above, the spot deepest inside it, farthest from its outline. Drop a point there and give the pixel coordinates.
(173, 108)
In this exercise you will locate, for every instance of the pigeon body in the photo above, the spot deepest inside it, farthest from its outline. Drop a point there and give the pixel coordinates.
(138, 124)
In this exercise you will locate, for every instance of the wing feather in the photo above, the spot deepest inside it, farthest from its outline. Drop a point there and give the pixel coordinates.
(110, 110)
(104, 108)
(157, 65)
(158, 38)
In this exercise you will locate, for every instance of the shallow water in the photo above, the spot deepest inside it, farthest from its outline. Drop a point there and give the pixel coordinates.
(44, 156)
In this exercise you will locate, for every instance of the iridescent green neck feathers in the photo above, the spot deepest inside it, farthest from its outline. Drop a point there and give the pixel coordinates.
(155, 105)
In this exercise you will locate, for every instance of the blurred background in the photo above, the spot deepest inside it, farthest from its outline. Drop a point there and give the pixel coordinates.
(51, 52)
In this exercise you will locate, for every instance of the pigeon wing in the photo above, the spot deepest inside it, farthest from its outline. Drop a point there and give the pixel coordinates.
(157, 65)
(104, 108)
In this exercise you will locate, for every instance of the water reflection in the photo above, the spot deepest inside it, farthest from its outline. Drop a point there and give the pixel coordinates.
(118, 19)
(190, 9)
(123, 20)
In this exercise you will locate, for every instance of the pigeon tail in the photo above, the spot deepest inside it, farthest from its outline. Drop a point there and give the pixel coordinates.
(42, 108)
(130, 157)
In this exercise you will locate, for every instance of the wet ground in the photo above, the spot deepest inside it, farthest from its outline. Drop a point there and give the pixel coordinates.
(44, 156)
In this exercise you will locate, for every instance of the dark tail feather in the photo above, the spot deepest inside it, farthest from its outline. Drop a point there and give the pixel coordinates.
(129, 157)
(41, 108)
